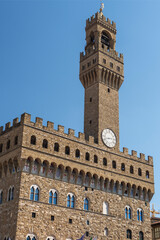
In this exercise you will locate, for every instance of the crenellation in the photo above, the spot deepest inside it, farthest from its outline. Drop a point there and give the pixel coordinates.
(142, 156)
(39, 122)
(81, 136)
(60, 129)
(91, 140)
(150, 160)
(71, 132)
(125, 151)
(1, 129)
(7, 126)
(108, 21)
(134, 153)
(15, 121)
(25, 118)
(50, 125)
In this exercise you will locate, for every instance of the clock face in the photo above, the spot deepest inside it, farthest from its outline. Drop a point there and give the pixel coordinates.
(109, 138)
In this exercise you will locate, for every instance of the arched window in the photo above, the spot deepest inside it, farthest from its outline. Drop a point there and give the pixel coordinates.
(16, 140)
(131, 169)
(129, 234)
(141, 236)
(8, 144)
(147, 174)
(50, 238)
(1, 196)
(105, 208)
(140, 214)
(104, 162)
(34, 193)
(92, 37)
(50, 197)
(37, 194)
(128, 212)
(55, 198)
(77, 153)
(56, 147)
(70, 200)
(106, 232)
(139, 172)
(67, 150)
(33, 140)
(87, 156)
(31, 237)
(105, 39)
(114, 164)
(95, 159)
(45, 143)
(11, 193)
(86, 204)
(123, 167)
(1, 147)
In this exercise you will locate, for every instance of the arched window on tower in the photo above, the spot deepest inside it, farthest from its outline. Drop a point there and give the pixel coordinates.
(95, 159)
(86, 204)
(37, 194)
(33, 140)
(140, 214)
(114, 164)
(131, 169)
(31, 237)
(147, 174)
(123, 167)
(45, 143)
(141, 235)
(92, 38)
(129, 234)
(67, 150)
(34, 193)
(77, 153)
(128, 212)
(8, 144)
(53, 196)
(106, 232)
(104, 162)
(70, 200)
(105, 208)
(56, 147)
(105, 39)
(139, 172)
(87, 156)
(1, 147)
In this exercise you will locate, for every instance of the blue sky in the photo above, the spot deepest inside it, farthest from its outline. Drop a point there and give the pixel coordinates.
(40, 43)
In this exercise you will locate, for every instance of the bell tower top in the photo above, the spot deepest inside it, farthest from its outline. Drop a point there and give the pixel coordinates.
(101, 74)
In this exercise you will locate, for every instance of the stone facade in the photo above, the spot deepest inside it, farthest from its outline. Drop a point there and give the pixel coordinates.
(40, 156)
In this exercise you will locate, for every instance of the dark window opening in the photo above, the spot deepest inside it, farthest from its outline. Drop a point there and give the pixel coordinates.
(123, 167)
(83, 67)
(70, 220)
(139, 172)
(87, 222)
(16, 140)
(118, 69)
(111, 64)
(87, 234)
(114, 164)
(45, 143)
(131, 169)
(147, 174)
(52, 218)
(67, 150)
(129, 234)
(90, 121)
(95, 159)
(104, 161)
(33, 140)
(33, 215)
(1, 147)
(8, 144)
(87, 156)
(104, 61)
(77, 153)
(86, 189)
(105, 39)
(56, 147)
(90, 99)
(108, 90)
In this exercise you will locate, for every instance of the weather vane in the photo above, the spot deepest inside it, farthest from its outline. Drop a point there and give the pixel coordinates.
(102, 6)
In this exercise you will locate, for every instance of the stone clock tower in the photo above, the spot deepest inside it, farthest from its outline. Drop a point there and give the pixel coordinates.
(101, 73)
